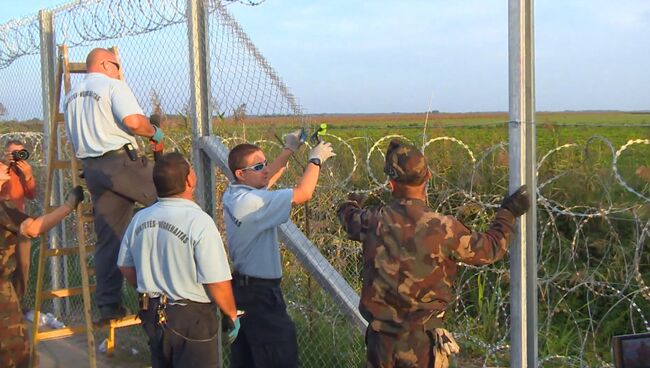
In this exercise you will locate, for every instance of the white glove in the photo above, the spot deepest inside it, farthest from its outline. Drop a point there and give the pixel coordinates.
(292, 140)
(322, 151)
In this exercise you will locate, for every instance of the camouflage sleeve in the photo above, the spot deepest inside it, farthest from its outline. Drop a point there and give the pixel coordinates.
(10, 217)
(353, 219)
(482, 248)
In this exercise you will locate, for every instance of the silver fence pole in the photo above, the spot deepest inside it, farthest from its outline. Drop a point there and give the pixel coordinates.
(199, 61)
(197, 31)
(48, 63)
(521, 151)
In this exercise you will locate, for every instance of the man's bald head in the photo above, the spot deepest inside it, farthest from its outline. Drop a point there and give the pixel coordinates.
(103, 61)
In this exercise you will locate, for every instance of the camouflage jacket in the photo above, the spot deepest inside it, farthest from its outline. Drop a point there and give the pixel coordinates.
(10, 220)
(409, 259)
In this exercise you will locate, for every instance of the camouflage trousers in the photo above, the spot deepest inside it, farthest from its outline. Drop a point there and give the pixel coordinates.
(14, 344)
(414, 349)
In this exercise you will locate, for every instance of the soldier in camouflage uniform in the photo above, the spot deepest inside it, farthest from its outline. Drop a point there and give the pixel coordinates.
(409, 262)
(14, 345)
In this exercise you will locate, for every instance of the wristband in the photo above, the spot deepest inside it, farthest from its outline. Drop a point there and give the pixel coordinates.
(158, 134)
(315, 160)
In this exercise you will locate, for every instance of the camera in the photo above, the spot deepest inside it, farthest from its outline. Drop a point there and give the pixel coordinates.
(20, 155)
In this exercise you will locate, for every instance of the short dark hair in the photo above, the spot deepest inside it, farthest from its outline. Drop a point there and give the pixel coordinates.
(238, 154)
(405, 163)
(170, 173)
(14, 141)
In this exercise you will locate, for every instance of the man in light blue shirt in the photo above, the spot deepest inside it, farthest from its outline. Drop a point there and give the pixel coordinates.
(252, 214)
(102, 118)
(173, 254)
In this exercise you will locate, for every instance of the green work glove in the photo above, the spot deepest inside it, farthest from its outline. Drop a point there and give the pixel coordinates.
(518, 202)
(74, 197)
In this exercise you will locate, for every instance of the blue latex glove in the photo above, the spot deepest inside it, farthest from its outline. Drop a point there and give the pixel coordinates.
(158, 135)
(233, 332)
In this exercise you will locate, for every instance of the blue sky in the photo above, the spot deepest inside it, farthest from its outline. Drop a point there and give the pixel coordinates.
(351, 56)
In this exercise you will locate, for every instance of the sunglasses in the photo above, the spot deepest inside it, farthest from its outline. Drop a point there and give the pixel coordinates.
(257, 167)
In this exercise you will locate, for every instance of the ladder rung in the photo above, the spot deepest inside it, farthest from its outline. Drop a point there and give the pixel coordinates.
(77, 67)
(67, 251)
(63, 293)
(126, 321)
(61, 164)
(59, 333)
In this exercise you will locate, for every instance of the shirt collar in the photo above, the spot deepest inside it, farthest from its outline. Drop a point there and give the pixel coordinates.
(96, 74)
(237, 186)
(408, 201)
(177, 202)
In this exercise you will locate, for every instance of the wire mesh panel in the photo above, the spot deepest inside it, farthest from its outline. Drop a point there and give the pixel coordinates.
(20, 94)
(242, 81)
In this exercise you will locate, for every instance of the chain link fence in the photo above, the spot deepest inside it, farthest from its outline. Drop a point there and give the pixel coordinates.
(593, 191)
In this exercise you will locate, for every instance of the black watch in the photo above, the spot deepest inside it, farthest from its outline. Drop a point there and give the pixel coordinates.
(315, 161)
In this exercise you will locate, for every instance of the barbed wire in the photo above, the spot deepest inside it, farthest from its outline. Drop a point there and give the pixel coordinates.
(86, 21)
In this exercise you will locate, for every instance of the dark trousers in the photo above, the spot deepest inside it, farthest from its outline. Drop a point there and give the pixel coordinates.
(115, 184)
(172, 345)
(267, 337)
(413, 349)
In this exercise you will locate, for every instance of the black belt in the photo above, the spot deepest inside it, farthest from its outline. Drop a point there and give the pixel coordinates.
(132, 153)
(240, 279)
(179, 301)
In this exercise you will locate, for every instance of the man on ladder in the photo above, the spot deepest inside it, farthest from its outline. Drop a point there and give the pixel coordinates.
(102, 118)
(14, 345)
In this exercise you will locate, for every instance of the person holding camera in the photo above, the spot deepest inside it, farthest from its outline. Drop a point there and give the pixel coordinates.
(14, 344)
(410, 262)
(252, 214)
(21, 185)
(102, 118)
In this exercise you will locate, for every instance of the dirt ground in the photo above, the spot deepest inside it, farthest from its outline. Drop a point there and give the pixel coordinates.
(72, 352)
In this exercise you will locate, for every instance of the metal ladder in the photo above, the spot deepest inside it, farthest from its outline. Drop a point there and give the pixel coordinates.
(84, 217)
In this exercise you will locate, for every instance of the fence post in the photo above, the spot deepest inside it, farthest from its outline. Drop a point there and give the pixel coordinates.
(197, 31)
(199, 62)
(48, 64)
(521, 151)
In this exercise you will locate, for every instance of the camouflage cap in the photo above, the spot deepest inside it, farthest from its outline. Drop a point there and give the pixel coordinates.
(405, 163)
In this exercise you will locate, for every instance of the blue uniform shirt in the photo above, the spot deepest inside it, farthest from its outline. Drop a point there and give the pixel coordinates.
(94, 110)
(175, 248)
(252, 217)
